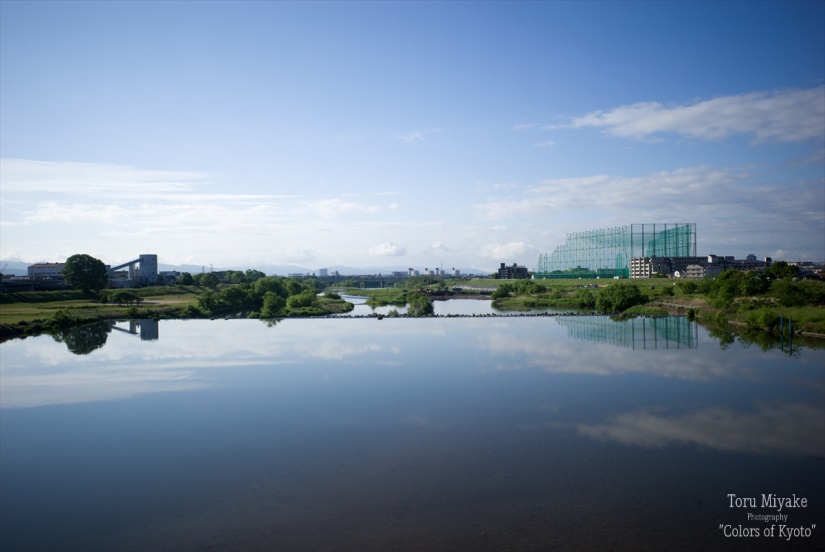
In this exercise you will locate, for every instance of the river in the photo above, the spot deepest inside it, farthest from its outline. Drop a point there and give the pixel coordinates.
(442, 307)
(479, 433)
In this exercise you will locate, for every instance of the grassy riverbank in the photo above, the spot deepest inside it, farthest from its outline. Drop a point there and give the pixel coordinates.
(707, 301)
(28, 313)
(711, 301)
(32, 306)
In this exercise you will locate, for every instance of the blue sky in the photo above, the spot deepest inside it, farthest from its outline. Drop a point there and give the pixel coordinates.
(412, 134)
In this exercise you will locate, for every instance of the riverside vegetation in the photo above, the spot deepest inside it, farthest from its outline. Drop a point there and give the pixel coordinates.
(257, 296)
(757, 300)
(754, 300)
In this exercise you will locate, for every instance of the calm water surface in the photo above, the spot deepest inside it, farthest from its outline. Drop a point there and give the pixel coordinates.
(448, 307)
(405, 434)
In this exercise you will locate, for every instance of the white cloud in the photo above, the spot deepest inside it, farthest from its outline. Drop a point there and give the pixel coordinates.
(30, 176)
(416, 136)
(664, 190)
(504, 185)
(388, 249)
(412, 137)
(51, 210)
(506, 251)
(333, 207)
(545, 144)
(777, 116)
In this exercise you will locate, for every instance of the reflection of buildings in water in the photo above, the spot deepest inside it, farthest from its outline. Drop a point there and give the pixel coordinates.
(668, 332)
(147, 328)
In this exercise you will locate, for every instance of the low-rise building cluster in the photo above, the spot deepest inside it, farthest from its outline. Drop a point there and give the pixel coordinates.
(702, 267)
(692, 267)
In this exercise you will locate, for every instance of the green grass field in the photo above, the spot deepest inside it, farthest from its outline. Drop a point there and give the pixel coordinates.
(32, 306)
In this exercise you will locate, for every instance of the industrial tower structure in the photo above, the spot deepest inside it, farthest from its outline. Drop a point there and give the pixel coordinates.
(146, 274)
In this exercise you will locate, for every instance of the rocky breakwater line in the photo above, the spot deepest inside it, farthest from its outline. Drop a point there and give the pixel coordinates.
(489, 315)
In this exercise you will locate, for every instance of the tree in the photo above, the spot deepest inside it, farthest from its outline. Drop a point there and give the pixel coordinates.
(419, 304)
(186, 279)
(84, 340)
(752, 283)
(725, 288)
(619, 297)
(235, 276)
(209, 280)
(275, 285)
(127, 297)
(293, 287)
(252, 275)
(209, 300)
(789, 293)
(304, 299)
(586, 299)
(239, 297)
(781, 270)
(273, 305)
(503, 290)
(688, 286)
(85, 272)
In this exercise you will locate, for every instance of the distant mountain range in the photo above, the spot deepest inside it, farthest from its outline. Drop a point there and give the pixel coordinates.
(18, 268)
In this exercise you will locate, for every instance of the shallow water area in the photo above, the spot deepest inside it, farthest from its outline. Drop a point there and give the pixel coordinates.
(444, 433)
(441, 307)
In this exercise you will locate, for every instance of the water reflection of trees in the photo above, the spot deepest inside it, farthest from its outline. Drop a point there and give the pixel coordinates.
(84, 340)
(766, 341)
(670, 332)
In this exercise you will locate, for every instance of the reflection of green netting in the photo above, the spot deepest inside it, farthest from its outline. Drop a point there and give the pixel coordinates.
(607, 252)
(669, 332)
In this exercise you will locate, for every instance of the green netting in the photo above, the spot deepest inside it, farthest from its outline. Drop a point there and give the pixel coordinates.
(670, 332)
(606, 253)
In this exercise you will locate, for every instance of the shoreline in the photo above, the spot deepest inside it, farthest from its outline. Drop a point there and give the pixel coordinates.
(168, 311)
(38, 328)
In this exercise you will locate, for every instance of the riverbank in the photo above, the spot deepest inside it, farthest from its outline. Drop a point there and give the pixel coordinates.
(30, 313)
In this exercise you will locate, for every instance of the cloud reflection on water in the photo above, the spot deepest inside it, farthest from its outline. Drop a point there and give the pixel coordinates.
(197, 354)
(790, 428)
(552, 355)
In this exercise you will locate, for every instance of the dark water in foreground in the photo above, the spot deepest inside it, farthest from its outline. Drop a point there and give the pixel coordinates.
(406, 434)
